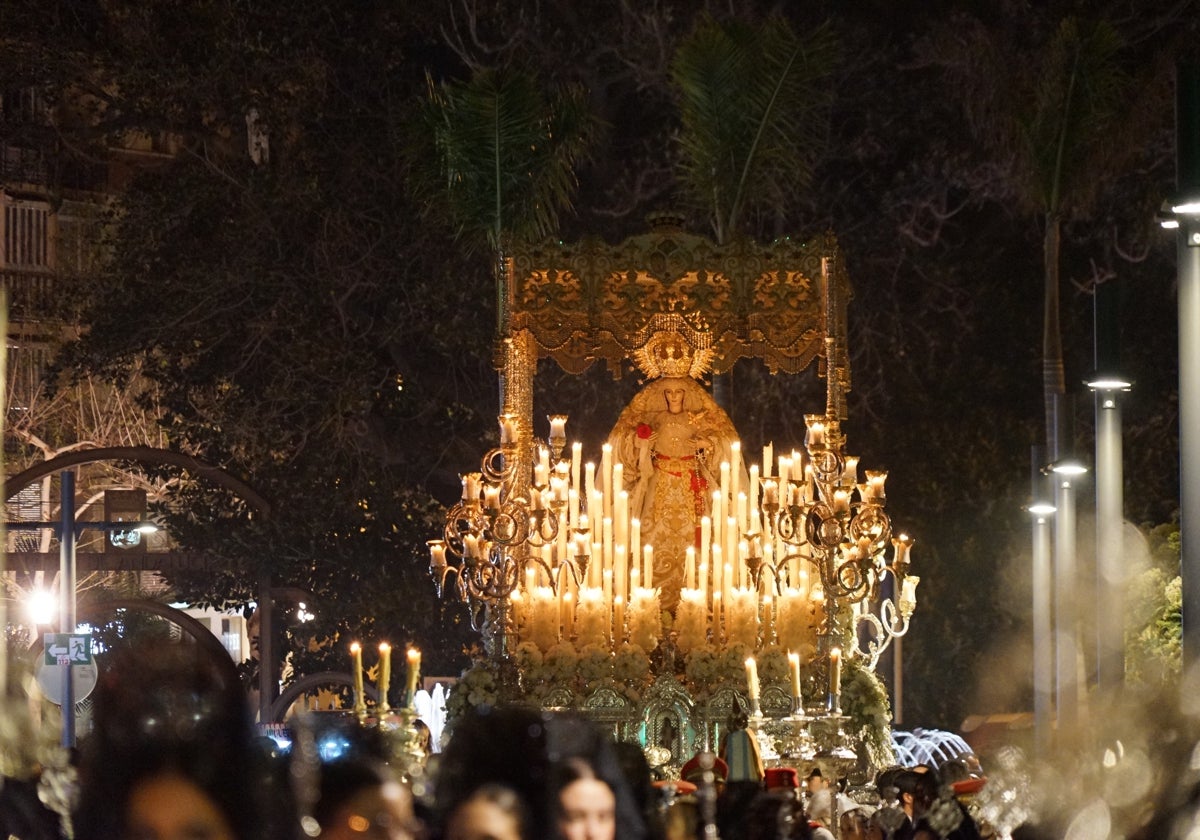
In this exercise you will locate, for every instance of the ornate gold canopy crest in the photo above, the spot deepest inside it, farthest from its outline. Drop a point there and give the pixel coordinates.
(668, 354)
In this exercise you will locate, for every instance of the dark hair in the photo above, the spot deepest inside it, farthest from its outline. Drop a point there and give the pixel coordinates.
(167, 709)
(578, 749)
(496, 745)
(775, 816)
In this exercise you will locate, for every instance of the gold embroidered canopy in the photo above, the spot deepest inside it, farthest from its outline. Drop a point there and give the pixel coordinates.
(782, 302)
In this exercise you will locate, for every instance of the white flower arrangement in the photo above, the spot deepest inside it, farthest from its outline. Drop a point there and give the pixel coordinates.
(560, 663)
(773, 666)
(595, 666)
(631, 665)
(592, 618)
(476, 686)
(865, 702)
(645, 618)
(741, 618)
(702, 669)
(691, 619)
(794, 627)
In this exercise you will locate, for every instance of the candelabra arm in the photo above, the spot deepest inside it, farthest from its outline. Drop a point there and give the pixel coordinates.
(888, 625)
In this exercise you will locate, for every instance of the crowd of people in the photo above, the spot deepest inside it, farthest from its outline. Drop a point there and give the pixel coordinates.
(173, 755)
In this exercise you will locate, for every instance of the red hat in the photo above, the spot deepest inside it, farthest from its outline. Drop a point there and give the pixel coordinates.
(692, 772)
(680, 787)
(781, 778)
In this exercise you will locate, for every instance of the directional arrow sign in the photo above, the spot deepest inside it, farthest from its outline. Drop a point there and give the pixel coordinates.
(68, 648)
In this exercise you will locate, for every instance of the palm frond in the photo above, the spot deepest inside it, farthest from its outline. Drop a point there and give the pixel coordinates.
(754, 108)
(506, 151)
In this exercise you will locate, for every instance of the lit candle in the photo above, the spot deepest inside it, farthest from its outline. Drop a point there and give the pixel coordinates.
(589, 484)
(360, 700)
(841, 502)
(385, 675)
(558, 426)
(816, 434)
(794, 672)
(491, 497)
(770, 492)
(768, 464)
(508, 429)
(414, 668)
(752, 677)
(835, 671)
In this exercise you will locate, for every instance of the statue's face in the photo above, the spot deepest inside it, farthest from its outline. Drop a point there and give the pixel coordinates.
(674, 397)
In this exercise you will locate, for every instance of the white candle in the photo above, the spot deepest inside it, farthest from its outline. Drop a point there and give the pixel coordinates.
(794, 672)
(606, 485)
(648, 566)
(735, 469)
(558, 426)
(768, 462)
(752, 677)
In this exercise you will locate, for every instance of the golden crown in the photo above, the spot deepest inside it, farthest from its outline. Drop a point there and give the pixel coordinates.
(669, 354)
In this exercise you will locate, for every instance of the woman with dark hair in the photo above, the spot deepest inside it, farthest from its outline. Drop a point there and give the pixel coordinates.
(172, 754)
(361, 798)
(492, 812)
(590, 797)
(495, 746)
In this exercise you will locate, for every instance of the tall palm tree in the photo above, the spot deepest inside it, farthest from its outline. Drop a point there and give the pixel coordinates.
(1049, 112)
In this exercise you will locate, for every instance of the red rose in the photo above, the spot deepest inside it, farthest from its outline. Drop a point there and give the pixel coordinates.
(644, 431)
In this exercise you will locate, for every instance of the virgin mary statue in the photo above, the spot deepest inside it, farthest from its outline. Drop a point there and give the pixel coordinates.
(671, 440)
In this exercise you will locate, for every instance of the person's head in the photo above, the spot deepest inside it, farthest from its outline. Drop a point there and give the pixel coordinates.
(172, 749)
(424, 736)
(917, 791)
(503, 746)
(814, 781)
(588, 790)
(854, 822)
(775, 815)
(586, 807)
(360, 799)
(169, 806)
(492, 812)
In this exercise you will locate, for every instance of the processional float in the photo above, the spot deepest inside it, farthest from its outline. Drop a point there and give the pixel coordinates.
(676, 581)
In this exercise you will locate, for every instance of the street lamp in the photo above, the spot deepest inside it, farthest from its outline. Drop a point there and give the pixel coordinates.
(1066, 613)
(1182, 213)
(1108, 384)
(1041, 510)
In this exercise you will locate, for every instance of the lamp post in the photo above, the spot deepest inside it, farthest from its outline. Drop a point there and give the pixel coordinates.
(1184, 217)
(1066, 613)
(1041, 510)
(1110, 498)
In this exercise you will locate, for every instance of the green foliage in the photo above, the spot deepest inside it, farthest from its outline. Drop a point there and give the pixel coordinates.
(754, 102)
(505, 152)
(1154, 610)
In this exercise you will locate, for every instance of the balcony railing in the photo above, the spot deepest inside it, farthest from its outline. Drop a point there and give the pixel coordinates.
(31, 295)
